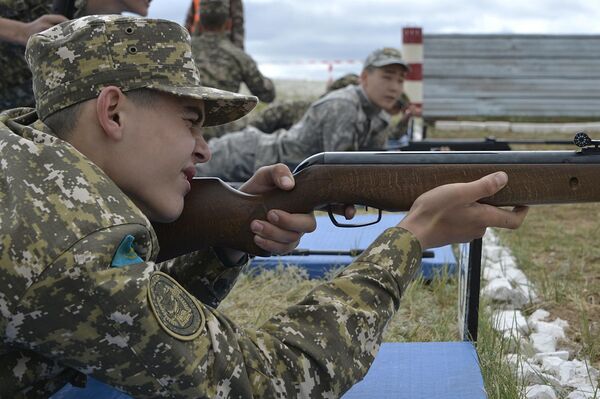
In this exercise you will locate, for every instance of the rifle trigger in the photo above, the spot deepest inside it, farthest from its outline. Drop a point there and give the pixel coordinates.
(338, 224)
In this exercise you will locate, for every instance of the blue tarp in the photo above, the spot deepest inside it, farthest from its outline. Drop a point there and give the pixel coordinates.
(422, 370)
(329, 237)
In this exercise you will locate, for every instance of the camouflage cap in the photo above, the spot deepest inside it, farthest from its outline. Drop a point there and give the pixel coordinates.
(73, 61)
(215, 7)
(385, 56)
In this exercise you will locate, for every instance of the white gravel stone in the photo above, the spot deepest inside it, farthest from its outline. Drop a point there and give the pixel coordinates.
(511, 321)
(540, 392)
(583, 393)
(539, 357)
(539, 314)
(543, 342)
(576, 374)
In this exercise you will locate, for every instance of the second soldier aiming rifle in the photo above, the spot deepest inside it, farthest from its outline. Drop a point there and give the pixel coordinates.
(217, 215)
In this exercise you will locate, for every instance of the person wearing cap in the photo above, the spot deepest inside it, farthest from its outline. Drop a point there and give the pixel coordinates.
(220, 63)
(350, 119)
(121, 105)
(19, 19)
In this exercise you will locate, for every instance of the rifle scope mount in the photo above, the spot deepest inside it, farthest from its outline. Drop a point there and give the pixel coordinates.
(582, 140)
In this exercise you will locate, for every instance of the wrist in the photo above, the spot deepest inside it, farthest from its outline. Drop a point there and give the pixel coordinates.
(13, 31)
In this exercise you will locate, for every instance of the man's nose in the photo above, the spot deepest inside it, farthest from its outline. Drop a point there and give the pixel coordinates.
(201, 150)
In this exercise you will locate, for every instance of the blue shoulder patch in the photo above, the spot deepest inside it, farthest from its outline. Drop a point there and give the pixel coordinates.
(125, 253)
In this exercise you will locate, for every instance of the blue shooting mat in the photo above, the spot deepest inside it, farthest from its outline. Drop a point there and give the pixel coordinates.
(422, 370)
(94, 389)
(329, 237)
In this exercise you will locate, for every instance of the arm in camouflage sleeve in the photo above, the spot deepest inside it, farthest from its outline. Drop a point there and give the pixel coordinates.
(237, 23)
(258, 84)
(138, 330)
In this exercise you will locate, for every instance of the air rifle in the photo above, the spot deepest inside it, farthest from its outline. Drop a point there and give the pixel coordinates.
(487, 144)
(216, 215)
(64, 7)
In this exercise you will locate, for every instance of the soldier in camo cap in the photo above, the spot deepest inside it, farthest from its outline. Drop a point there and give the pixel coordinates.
(82, 291)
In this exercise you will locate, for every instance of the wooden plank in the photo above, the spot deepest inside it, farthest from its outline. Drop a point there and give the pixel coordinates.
(511, 46)
(524, 68)
(504, 75)
(453, 107)
(573, 89)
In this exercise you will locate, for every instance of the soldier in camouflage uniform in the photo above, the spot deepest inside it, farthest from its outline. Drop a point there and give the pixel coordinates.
(236, 14)
(220, 63)
(349, 119)
(82, 294)
(19, 19)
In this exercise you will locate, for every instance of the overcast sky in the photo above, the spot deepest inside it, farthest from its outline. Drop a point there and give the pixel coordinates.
(299, 38)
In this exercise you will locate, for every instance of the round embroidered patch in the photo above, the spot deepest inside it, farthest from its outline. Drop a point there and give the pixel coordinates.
(175, 309)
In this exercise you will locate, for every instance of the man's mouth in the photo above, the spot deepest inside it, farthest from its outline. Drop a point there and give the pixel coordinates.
(189, 173)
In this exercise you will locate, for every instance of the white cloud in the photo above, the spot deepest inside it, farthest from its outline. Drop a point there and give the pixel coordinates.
(284, 33)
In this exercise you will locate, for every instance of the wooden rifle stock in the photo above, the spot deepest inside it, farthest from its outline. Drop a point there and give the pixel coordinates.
(216, 215)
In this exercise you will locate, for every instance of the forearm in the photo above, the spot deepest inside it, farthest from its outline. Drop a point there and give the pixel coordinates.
(13, 31)
(340, 323)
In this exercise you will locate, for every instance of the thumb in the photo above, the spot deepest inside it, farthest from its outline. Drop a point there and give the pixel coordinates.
(485, 187)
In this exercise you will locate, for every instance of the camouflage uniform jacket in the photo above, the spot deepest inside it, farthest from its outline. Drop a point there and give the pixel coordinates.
(343, 120)
(224, 66)
(140, 327)
(15, 79)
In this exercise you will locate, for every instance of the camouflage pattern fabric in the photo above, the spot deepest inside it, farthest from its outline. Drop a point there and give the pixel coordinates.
(236, 12)
(343, 120)
(275, 116)
(281, 115)
(284, 114)
(142, 328)
(15, 80)
(73, 61)
(224, 66)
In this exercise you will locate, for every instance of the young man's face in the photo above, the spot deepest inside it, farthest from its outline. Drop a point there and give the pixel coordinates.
(164, 143)
(384, 85)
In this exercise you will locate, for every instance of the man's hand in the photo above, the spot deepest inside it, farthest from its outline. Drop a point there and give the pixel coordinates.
(282, 231)
(21, 31)
(451, 214)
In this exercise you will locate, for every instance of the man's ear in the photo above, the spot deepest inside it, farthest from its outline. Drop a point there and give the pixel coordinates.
(110, 105)
(364, 77)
